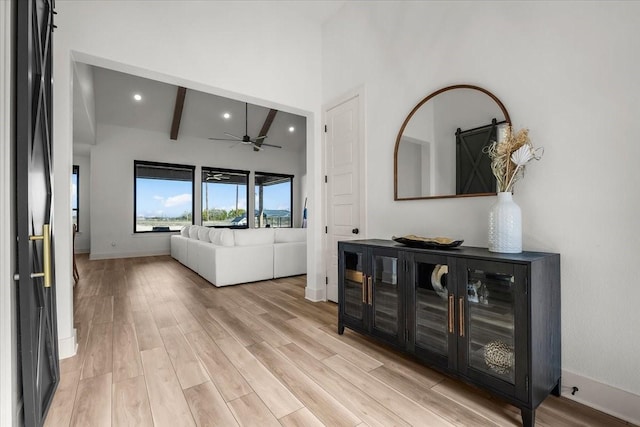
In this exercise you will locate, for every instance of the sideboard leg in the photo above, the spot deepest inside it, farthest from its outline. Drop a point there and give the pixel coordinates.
(528, 417)
(557, 388)
(340, 329)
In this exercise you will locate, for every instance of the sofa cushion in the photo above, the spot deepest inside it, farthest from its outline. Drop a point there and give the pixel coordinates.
(221, 237)
(184, 231)
(193, 232)
(203, 234)
(287, 235)
(255, 236)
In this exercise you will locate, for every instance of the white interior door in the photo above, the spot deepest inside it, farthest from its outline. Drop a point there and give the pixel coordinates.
(342, 195)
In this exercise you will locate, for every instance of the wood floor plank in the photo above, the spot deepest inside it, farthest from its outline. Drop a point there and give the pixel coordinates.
(361, 404)
(62, 405)
(162, 315)
(214, 329)
(131, 403)
(250, 411)
(324, 406)
(93, 402)
(273, 393)
(186, 321)
(223, 374)
(104, 309)
(269, 307)
(392, 359)
(301, 418)
(122, 309)
(168, 404)
(479, 402)
(265, 333)
(138, 302)
(84, 309)
(99, 357)
(353, 355)
(208, 406)
(404, 407)
(146, 330)
(185, 363)
(126, 355)
(448, 409)
(306, 342)
(234, 326)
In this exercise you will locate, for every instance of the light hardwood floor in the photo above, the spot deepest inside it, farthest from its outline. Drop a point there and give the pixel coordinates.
(158, 345)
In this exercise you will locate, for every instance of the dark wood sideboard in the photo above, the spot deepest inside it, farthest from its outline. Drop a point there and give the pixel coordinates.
(489, 319)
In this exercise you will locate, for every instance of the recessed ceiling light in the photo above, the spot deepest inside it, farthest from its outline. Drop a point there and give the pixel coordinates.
(291, 128)
(137, 97)
(226, 115)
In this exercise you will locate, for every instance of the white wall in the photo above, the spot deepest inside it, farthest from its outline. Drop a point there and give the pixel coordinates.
(566, 70)
(261, 52)
(83, 237)
(112, 181)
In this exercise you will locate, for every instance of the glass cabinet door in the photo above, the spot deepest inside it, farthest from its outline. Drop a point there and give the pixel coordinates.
(433, 303)
(491, 318)
(354, 285)
(385, 294)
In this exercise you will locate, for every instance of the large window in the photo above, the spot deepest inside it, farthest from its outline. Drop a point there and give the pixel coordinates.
(75, 196)
(274, 200)
(163, 196)
(224, 197)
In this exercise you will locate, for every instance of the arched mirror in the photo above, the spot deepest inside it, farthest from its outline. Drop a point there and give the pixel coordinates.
(440, 147)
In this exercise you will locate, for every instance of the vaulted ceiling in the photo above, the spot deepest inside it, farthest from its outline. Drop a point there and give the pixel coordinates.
(203, 115)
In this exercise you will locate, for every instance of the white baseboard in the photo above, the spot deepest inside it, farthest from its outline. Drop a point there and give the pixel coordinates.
(113, 255)
(614, 401)
(315, 295)
(67, 347)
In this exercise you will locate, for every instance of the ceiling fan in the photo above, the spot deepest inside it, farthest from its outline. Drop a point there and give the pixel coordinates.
(257, 142)
(216, 177)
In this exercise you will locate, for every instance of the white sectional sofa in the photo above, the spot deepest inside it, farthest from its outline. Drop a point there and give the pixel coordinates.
(227, 257)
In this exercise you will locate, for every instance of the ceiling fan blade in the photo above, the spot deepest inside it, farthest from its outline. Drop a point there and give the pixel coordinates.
(261, 137)
(221, 139)
(233, 136)
(270, 145)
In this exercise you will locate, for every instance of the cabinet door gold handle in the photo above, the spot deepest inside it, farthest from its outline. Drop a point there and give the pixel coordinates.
(364, 288)
(370, 289)
(451, 308)
(461, 317)
(46, 255)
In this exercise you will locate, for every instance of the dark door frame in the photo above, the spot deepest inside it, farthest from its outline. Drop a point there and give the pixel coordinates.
(36, 305)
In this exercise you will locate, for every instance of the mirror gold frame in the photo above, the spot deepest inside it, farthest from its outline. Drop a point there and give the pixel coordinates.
(507, 119)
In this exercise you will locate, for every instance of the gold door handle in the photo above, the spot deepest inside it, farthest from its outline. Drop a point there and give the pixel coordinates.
(46, 255)
(461, 310)
(451, 309)
(364, 288)
(369, 290)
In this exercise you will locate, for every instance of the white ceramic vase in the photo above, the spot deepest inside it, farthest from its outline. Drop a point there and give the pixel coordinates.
(505, 225)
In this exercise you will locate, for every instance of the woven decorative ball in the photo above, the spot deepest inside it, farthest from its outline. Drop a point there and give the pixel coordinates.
(499, 357)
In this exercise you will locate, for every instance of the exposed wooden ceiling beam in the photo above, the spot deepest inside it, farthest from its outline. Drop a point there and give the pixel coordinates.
(177, 112)
(265, 128)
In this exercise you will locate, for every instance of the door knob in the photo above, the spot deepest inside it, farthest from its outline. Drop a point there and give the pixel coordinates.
(355, 231)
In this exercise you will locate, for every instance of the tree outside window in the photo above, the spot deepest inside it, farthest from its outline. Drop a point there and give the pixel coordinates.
(224, 197)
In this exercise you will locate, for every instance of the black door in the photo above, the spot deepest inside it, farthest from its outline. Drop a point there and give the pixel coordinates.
(38, 343)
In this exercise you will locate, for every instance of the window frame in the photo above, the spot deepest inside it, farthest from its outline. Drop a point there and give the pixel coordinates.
(76, 171)
(278, 175)
(137, 163)
(223, 170)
